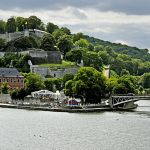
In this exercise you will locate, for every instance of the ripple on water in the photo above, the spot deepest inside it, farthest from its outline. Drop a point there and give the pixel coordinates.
(29, 130)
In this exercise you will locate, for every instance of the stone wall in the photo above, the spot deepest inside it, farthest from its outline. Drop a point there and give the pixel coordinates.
(5, 98)
(58, 73)
(41, 56)
(42, 71)
(38, 53)
(11, 36)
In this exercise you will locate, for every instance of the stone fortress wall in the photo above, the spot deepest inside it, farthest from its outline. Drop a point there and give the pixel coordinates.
(40, 55)
(58, 73)
(11, 36)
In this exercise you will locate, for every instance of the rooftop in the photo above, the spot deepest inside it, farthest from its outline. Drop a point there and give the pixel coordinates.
(9, 72)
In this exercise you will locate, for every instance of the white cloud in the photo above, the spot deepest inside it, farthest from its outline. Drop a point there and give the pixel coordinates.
(113, 26)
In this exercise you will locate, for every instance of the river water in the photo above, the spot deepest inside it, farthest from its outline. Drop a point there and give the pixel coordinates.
(39, 130)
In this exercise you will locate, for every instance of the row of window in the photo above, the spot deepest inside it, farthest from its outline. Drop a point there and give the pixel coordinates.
(14, 88)
(11, 80)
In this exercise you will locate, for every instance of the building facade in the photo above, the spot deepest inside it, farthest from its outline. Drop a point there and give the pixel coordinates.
(12, 77)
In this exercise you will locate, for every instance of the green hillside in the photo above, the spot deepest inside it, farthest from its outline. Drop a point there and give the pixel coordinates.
(122, 49)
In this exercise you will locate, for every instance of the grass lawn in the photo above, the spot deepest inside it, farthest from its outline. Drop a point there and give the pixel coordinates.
(65, 64)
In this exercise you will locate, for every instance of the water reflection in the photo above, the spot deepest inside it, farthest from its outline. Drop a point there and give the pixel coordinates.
(107, 130)
(143, 109)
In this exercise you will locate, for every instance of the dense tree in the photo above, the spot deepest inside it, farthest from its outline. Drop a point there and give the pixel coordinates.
(2, 26)
(67, 77)
(65, 44)
(66, 30)
(109, 50)
(22, 63)
(93, 60)
(126, 84)
(143, 67)
(82, 43)
(2, 43)
(18, 94)
(88, 83)
(68, 88)
(124, 72)
(18, 61)
(75, 55)
(14, 94)
(77, 36)
(20, 23)
(22, 43)
(113, 74)
(107, 59)
(11, 25)
(58, 33)
(53, 84)
(146, 80)
(33, 22)
(58, 82)
(110, 84)
(117, 65)
(5, 88)
(98, 48)
(49, 84)
(21, 94)
(90, 47)
(33, 82)
(50, 27)
(48, 43)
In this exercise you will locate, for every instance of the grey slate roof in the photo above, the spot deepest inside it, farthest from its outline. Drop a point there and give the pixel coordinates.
(9, 72)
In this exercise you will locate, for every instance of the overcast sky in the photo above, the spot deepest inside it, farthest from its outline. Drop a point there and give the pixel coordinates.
(121, 21)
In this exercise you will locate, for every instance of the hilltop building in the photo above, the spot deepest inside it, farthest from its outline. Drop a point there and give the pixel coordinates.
(12, 77)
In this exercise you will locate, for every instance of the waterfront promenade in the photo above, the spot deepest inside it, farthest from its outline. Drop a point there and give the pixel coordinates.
(59, 109)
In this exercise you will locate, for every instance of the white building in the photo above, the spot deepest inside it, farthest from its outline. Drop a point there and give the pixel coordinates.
(44, 94)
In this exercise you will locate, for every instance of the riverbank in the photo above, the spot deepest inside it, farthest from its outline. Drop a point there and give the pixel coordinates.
(74, 110)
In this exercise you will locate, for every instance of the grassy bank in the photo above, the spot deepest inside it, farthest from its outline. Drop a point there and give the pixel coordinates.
(65, 64)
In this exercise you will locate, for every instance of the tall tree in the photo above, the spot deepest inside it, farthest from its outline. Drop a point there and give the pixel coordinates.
(2, 26)
(105, 57)
(34, 22)
(5, 88)
(33, 82)
(146, 80)
(82, 43)
(65, 44)
(74, 55)
(58, 33)
(92, 59)
(51, 27)
(77, 36)
(22, 43)
(66, 30)
(20, 23)
(11, 25)
(48, 43)
(126, 84)
(88, 83)
(2, 43)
